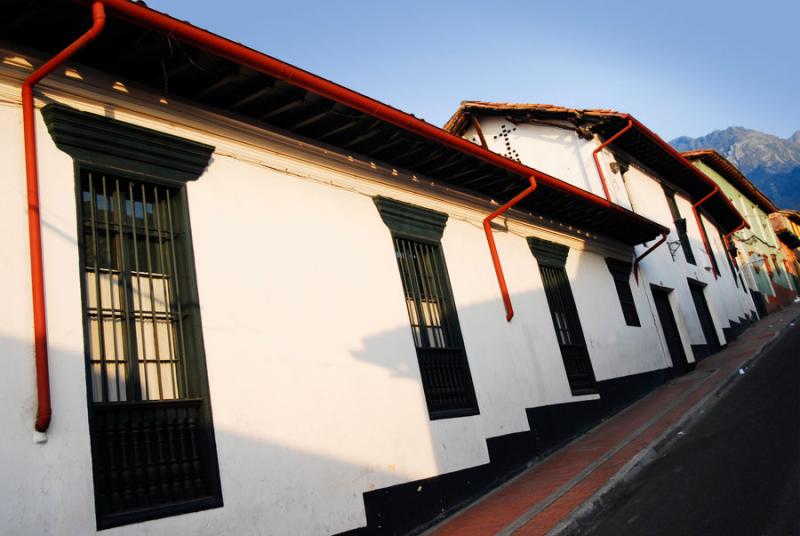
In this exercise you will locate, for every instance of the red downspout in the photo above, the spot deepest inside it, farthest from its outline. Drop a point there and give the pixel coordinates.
(189, 34)
(600, 147)
(727, 242)
(44, 412)
(739, 228)
(645, 254)
(702, 230)
(487, 228)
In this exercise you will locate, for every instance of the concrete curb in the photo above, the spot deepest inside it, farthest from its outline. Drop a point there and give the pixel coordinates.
(581, 518)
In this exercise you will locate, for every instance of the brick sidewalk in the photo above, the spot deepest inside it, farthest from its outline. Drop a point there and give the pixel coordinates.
(543, 496)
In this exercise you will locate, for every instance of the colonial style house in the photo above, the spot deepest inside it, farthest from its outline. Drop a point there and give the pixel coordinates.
(691, 282)
(786, 224)
(242, 299)
(757, 248)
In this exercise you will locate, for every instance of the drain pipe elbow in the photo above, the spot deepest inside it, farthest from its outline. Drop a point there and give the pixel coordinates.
(602, 146)
(645, 254)
(44, 412)
(702, 230)
(498, 267)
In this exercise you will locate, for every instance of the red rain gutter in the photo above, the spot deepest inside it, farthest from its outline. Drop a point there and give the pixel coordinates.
(645, 254)
(727, 241)
(44, 412)
(600, 147)
(702, 229)
(237, 53)
(685, 162)
(146, 17)
(487, 228)
(739, 228)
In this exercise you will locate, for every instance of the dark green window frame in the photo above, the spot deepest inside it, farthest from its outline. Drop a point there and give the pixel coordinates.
(444, 367)
(552, 260)
(152, 436)
(680, 227)
(621, 274)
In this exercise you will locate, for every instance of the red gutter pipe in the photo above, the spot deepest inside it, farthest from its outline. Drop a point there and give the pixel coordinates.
(727, 240)
(600, 147)
(146, 17)
(487, 228)
(684, 161)
(44, 412)
(257, 61)
(702, 229)
(645, 254)
(632, 121)
(739, 228)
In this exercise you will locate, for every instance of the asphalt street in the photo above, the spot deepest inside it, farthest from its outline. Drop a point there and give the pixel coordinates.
(734, 471)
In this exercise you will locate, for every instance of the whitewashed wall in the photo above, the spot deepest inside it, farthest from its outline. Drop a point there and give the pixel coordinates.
(559, 152)
(314, 383)
(660, 267)
(564, 154)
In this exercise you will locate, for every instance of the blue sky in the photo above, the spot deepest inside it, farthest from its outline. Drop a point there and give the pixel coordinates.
(681, 67)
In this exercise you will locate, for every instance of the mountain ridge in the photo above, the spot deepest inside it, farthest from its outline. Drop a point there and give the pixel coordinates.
(771, 162)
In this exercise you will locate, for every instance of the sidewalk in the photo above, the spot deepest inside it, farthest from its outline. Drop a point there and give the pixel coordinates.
(550, 494)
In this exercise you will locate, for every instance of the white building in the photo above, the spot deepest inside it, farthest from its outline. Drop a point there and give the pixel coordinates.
(269, 303)
(612, 154)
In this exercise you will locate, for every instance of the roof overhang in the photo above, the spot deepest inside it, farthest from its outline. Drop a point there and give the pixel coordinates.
(151, 49)
(639, 143)
(731, 173)
(780, 224)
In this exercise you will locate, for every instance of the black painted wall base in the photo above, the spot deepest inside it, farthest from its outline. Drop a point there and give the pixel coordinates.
(760, 302)
(700, 351)
(411, 507)
(737, 328)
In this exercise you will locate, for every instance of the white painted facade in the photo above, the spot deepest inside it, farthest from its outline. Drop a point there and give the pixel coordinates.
(562, 152)
(314, 381)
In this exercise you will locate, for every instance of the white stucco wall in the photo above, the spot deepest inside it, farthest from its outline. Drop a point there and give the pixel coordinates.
(559, 152)
(314, 383)
(660, 267)
(563, 154)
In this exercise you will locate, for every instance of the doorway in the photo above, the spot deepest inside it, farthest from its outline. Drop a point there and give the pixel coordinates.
(704, 315)
(670, 328)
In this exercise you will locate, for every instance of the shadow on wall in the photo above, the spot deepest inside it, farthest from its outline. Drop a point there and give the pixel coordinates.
(297, 488)
(517, 422)
(266, 486)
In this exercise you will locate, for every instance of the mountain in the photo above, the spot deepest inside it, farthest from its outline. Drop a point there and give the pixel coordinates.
(771, 162)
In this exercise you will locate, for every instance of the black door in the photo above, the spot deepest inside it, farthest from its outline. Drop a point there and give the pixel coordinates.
(568, 329)
(706, 323)
(670, 328)
(760, 303)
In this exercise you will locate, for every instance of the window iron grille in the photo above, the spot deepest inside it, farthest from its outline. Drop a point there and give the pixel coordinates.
(444, 368)
(132, 281)
(153, 450)
(567, 325)
(621, 273)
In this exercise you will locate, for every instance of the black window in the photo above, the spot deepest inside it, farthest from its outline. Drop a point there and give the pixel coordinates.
(552, 259)
(443, 364)
(152, 441)
(151, 431)
(680, 226)
(621, 273)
